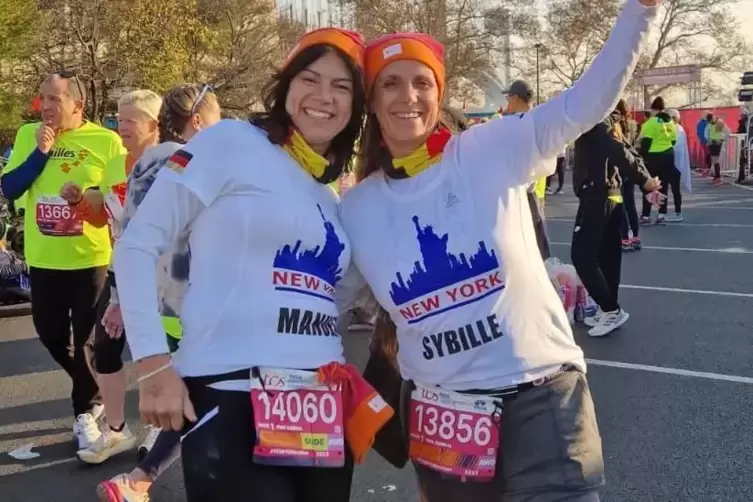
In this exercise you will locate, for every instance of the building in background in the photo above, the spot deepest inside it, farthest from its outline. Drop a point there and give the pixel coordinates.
(314, 13)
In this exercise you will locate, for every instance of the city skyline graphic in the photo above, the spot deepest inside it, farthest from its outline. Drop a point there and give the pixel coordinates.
(320, 261)
(438, 268)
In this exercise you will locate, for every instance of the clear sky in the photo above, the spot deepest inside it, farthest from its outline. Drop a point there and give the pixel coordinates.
(744, 11)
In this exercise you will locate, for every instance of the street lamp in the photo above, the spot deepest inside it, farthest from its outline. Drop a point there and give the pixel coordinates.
(538, 73)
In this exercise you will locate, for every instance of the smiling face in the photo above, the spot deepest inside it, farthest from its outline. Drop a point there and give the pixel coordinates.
(320, 100)
(406, 102)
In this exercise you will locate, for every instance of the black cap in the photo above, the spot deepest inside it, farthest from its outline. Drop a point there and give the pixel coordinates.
(521, 89)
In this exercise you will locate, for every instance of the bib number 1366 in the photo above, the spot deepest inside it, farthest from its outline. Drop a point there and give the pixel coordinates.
(456, 434)
(56, 218)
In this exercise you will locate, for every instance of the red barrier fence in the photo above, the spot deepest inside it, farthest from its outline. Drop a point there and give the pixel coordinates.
(690, 118)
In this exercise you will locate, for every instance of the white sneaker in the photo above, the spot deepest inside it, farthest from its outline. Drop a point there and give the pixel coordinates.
(593, 320)
(677, 218)
(98, 411)
(85, 430)
(109, 444)
(122, 489)
(148, 443)
(608, 322)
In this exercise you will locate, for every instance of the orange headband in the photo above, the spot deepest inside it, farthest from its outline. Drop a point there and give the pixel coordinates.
(405, 46)
(350, 42)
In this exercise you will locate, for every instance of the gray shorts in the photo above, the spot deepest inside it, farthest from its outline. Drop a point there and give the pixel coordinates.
(550, 450)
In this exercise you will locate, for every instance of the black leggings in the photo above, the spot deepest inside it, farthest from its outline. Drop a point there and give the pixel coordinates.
(596, 249)
(108, 352)
(61, 300)
(675, 178)
(560, 173)
(630, 222)
(218, 457)
(661, 165)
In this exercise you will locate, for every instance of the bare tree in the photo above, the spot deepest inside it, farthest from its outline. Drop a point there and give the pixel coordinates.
(574, 34)
(471, 45)
(115, 45)
(703, 32)
(243, 43)
(568, 37)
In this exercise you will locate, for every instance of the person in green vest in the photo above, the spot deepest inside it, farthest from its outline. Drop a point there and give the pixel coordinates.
(657, 140)
(716, 134)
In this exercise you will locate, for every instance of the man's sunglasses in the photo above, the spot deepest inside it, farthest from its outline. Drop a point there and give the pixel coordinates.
(204, 89)
(69, 74)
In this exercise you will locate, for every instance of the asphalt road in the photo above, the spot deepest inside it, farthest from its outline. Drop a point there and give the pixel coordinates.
(675, 419)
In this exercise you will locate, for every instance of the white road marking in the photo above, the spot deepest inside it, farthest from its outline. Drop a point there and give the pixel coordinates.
(709, 204)
(724, 225)
(671, 371)
(724, 208)
(46, 465)
(695, 250)
(688, 291)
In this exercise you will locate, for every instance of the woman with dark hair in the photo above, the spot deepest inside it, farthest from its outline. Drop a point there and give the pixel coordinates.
(267, 251)
(657, 140)
(496, 402)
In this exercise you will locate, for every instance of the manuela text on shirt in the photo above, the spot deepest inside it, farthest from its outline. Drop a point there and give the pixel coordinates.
(461, 339)
(306, 322)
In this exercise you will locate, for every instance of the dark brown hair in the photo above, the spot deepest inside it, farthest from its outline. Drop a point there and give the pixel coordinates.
(622, 108)
(658, 104)
(374, 154)
(276, 121)
(178, 106)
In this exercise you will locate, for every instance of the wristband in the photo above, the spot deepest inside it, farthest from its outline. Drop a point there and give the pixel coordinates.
(155, 372)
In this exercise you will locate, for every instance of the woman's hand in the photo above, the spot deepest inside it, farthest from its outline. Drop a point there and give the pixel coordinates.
(163, 397)
(656, 198)
(71, 193)
(652, 185)
(94, 199)
(112, 320)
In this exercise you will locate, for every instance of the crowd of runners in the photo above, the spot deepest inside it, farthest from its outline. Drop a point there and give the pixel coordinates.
(220, 252)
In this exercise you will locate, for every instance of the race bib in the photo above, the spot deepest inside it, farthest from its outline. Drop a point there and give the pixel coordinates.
(56, 218)
(456, 434)
(298, 421)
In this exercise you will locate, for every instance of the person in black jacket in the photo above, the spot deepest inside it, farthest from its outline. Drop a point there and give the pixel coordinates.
(602, 160)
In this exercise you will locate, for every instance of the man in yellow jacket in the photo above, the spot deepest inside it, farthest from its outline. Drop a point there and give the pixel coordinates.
(67, 257)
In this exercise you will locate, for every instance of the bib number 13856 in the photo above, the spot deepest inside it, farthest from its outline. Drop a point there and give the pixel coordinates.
(456, 434)
(298, 421)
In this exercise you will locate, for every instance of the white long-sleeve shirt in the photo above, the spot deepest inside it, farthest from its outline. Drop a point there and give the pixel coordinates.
(682, 158)
(451, 253)
(266, 252)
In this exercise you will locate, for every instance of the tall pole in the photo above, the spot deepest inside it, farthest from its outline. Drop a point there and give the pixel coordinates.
(538, 73)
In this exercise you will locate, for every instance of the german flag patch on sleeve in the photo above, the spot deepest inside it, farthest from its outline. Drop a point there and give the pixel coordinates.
(179, 160)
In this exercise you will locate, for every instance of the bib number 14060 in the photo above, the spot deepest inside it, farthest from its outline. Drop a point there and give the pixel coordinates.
(298, 421)
(294, 406)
